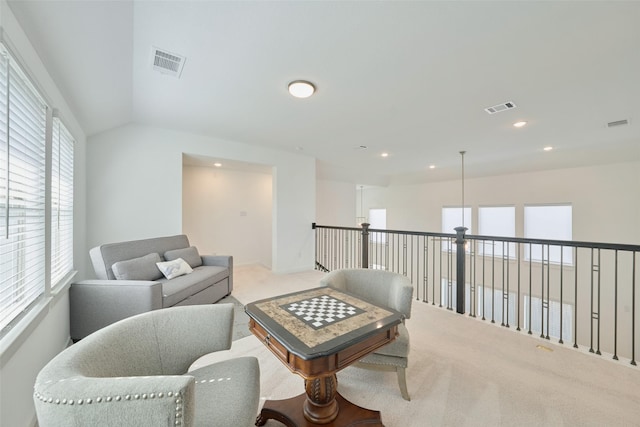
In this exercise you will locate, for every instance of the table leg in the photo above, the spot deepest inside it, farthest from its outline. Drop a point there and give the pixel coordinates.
(321, 406)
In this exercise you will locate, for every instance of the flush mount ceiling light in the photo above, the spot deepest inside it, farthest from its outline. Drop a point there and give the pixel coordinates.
(548, 148)
(519, 124)
(301, 88)
(384, 155)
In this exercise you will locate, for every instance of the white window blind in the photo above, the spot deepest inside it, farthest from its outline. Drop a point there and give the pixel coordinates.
(61, 202)
(553, 222)
(378, 221)
(22, 191)
(497, 221)
(452, 218)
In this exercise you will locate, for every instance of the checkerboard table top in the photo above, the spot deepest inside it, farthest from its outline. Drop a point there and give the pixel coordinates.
(315, 321)
(322, 310)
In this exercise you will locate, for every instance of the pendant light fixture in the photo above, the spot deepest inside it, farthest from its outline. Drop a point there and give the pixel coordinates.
(361, 219)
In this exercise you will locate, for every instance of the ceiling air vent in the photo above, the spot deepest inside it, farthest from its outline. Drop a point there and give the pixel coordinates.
(618, 123)
(167, 63)
(500, 107)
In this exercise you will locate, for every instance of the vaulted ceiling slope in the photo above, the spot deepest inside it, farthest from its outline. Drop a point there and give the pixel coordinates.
(411, 79)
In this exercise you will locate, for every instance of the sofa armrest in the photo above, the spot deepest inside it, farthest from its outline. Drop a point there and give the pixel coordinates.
(220, 261)
(95, 304)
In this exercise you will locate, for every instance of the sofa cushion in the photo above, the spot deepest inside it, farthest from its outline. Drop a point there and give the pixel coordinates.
(175, 290)
(104, 256)
(175, 268)
(143, 268)
(227, 392)
(190, 255)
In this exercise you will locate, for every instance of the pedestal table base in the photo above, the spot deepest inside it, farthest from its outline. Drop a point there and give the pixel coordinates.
(290, 413)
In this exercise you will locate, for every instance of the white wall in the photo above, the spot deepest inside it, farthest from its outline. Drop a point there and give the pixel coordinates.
(134, 176)
(605, 200)
(39, 337)
(335, 203)
(228, 212)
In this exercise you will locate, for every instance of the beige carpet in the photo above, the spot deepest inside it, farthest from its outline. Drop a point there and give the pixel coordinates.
(463, 372)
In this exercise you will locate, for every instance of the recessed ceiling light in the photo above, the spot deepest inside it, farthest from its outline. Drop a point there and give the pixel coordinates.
(217, 165)
(548, 148)
(432, 166)
(519, 124)
(384, 155)
(301, 88)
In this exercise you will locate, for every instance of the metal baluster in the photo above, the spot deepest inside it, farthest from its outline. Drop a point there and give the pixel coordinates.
(633, 311)
(493, 281)
(425, 270)
(434, 241)
(543, 304)
(575, 302)
(449, 274)
(404, 254)
(561, 276)
(484, 277)
(548, 290)
(615, 309)
(530, 284)
(595, 270)
(599, 293)
(518, 311)
(505, 260)
(472, 279)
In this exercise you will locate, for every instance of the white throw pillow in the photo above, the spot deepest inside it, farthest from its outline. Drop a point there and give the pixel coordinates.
(174, 268)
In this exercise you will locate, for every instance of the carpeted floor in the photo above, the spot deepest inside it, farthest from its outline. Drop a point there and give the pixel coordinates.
(462, 372)
(240, 319)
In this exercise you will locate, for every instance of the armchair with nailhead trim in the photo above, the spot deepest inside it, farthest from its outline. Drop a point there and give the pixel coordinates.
(136, 373)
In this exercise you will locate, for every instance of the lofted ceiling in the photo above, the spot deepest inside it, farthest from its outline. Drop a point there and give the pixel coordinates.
(409, 78)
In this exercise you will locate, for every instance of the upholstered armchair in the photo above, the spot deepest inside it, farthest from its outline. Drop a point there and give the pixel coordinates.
(135, 373)
(385, 289)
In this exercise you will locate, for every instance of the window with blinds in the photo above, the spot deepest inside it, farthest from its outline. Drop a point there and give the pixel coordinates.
(61, 202)
(497, 221)
(453, 217)
(553, 222)
(22, 191)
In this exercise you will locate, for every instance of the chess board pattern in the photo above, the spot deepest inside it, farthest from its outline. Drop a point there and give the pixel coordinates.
(321, 311)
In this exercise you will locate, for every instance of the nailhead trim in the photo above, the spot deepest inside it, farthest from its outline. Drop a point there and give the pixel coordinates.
(177, 396)
(213, 380)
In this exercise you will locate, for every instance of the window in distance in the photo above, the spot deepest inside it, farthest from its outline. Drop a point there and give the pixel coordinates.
(551, 222)
(499, 221)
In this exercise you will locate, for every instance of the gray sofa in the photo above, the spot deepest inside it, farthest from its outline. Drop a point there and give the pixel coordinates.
(129, 282)
(136, 373)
